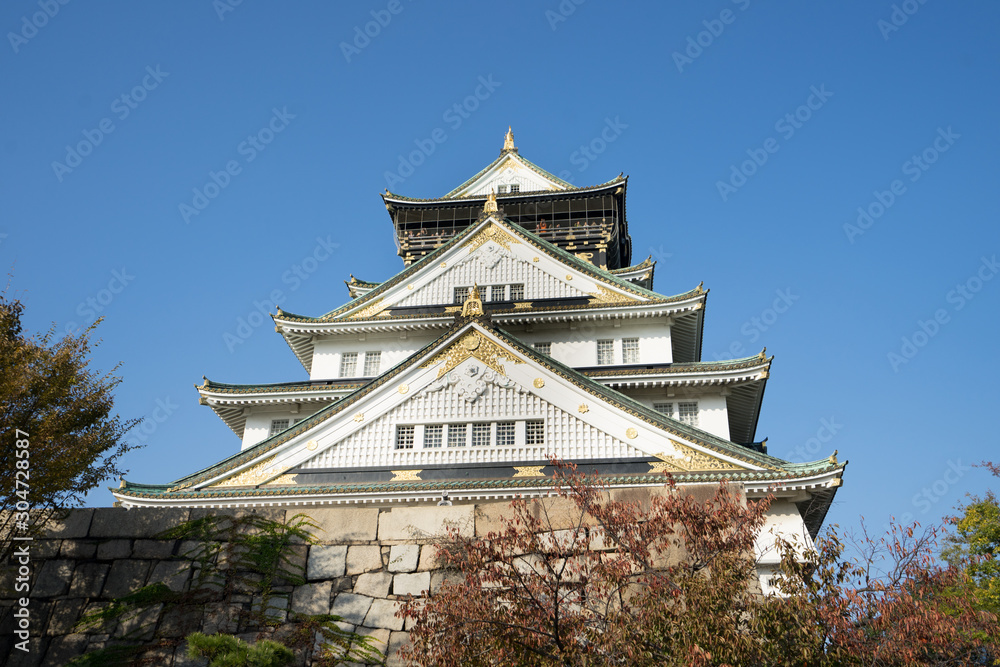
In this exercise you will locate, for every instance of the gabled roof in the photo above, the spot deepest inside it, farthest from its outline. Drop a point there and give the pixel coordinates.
(394, 198)
(268, 459)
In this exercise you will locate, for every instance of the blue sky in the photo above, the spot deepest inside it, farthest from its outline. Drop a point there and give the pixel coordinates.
(835, 161)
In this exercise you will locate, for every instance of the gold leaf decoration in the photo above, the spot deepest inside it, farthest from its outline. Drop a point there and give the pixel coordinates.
(604, 295)
(539, 383)
(664, 466)
(491, 233)
(368, 311)
(312, 445)
(405, 475)
(282, 480)
(689, 459)
(252, 476)
(472, 344)
(583, 409)
(631, 433)
(403, 388)
(529, 471)
(359, 417)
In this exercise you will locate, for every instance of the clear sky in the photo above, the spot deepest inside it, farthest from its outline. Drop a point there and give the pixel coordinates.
(826, 168)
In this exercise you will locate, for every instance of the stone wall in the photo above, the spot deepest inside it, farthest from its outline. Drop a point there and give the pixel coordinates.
(365, 560)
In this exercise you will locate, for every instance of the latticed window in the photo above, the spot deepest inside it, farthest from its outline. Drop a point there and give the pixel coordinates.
(373, 360)
(456, 435)
(517, 292)
(497, 292)
(461, 294)
(501, 189)
(605, 352)
(433, 434)
(534, 432)
(277, 426)
(688, 413)
(664, 408)
(480, 435)
(348, 364)
(404, 437)
(544, 348)
(515, 187)
(505, 434)
(630, 350)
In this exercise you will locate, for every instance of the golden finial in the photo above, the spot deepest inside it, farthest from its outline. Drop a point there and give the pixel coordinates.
(473, 304)
(491, 203)
(508, 140)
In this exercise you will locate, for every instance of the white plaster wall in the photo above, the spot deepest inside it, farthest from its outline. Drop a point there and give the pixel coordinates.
(713, 414)
(327, 352)
(782, 520)
(258, 426)
(576, 344)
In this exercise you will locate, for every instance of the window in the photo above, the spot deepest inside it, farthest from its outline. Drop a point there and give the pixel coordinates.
(404, 437)
(373, 360)
(277, 426)
(544, 348)
(348, 364)
(481, 435)
(630, 350)
(514, 187)
(461, 294)
(664, 408)
(534, 432)
(688, 413)
(497, 292)
(501, 189)
(605, 352)
(505, 434)
(456, 435)
(432, 435)
(517, 292)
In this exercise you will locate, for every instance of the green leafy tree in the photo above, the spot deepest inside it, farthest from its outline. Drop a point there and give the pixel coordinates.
(229, 651)
(977, 543)
(61, 436)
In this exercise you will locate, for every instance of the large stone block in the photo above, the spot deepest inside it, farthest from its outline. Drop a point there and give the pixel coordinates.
(428, 558)
(88, 579)
(363, 559)
(159, 549)
(54, 579)
(114, 550)
(312, 598)
(404, 557)
(65, 614)
(63, 649)
(326, 562)
(373, 584)
(554, 514)
(83, 549)
(382, 614)
(141, 522)
(351, 607)
(173, 573)
(70, 525)
(406, 524)
(344, 524)
(397, 640)
(125, 577)
(411, 584)
(380, 635)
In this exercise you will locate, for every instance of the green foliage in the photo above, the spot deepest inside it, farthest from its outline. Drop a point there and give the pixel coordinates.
(147, 596)
(64, 410)
(338, 645)
(976, 546)
(229, 651)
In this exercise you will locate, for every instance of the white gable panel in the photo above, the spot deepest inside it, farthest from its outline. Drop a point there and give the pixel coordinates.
(492, 266)
(566, 436)
(509, 172)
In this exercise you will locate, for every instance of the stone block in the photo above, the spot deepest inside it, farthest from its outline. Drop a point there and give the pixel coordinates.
(363, 559)
(373, 584)
(65, 648)
(382, 614)
(173, 573)
(45, 549)
(141, 522)
(140, 624)
(312, 598)
(326, 562)
(33, 656)
(380, 635)
(181, 658)
(397, 640)
(71, 525)
(444, 577)
(88, 579)
(179, 622)
(53, 579)
(428, 558)
(78, 549)
(158, 549)
(125, 577)
(114, 550)
(65, 614)
(554, 513)
(278, 515)
(411, 584)
(345, 524)
(404, 557)
(405, 524)
(351, 608)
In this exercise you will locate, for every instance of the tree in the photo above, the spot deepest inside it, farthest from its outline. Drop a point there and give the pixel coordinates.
(61, 438)
(596, 577)
(977, 543)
